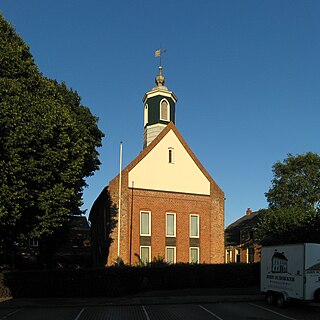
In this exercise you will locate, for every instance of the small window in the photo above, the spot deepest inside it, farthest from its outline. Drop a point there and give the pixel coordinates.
(228, 256)
(164, 110)
(33, 243)
(237, 253)
(250, 255)
(194, 226)
(170, 155)
(171, 255)
(145, 223)
(194, 255)
(170, 224)
(145, 254)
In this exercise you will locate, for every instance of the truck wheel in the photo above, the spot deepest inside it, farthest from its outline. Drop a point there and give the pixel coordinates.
(280, 300)
(270, 298)
(317, 295)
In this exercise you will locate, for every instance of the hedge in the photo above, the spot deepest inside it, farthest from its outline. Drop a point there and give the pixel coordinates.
(119, 281)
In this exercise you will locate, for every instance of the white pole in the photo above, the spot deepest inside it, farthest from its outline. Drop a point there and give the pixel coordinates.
(119, 204)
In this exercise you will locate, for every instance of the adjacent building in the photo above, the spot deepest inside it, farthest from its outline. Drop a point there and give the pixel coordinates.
(164, 204)
(240, 243)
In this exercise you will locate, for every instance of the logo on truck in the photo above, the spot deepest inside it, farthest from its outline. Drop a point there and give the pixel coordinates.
(279, 263)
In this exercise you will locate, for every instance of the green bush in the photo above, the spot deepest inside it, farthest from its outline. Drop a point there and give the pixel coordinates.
(4, 290)
(118, 281)
(202, 276)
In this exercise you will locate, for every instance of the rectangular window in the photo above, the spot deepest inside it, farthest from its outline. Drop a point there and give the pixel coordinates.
(145, 223)
(145, 254)
(250, 255)
(194, 255)
(170, 224)
(171, 255)
(194, 226)
(237, 253)
(228, 256)
(33, 243)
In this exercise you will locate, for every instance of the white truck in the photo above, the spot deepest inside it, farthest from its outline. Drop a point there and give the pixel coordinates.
(290, 272)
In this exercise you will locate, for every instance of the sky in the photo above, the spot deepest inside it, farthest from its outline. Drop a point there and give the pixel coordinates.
(246, 74)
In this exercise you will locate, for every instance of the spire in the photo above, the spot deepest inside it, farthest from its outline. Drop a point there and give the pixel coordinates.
(160, 80)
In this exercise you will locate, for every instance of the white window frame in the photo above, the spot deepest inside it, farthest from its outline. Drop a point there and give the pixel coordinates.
(145, 234)
(171, 157)
(149, 257)
(198, 254)
(230, 255)
(198, 226)
(174, 226)
(168, 110)
(174, 254)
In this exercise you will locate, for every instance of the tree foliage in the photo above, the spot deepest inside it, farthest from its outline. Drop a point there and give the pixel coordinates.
(294, 198)
(48, 145)
(296, 182)
(288, 225)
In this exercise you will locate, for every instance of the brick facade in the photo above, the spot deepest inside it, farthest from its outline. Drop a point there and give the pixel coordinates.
(209, 209)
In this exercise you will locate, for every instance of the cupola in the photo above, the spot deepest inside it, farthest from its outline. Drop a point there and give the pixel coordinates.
(159, 109)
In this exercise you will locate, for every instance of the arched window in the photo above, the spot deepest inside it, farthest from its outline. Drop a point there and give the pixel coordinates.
(145, 115)
(164, 110)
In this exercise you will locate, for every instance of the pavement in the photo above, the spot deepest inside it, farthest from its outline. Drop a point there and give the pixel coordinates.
(183, 296)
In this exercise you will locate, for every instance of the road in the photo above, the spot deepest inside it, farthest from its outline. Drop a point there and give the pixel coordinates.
(212, 311)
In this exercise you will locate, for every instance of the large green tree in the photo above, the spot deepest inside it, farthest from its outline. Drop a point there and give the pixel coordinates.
(296, 182)
(48, 145)
(294, 198)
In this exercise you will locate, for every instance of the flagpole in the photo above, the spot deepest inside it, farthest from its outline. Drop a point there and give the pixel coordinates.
(119, 204)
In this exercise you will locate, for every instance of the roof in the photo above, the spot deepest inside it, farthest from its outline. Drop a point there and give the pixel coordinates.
(279, 256)
(247, 222)
(79, 222)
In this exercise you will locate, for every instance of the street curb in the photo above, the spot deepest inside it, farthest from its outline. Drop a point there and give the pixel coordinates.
(127, 301)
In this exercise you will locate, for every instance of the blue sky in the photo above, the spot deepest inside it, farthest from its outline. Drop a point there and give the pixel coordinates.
(246, 73)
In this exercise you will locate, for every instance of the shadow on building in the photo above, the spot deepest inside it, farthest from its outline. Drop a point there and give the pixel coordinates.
(103, 221)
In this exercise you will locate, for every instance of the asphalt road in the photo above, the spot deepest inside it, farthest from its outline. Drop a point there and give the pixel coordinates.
(202, 311)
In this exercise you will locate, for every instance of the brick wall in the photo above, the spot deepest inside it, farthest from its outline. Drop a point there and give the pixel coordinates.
(209, 208)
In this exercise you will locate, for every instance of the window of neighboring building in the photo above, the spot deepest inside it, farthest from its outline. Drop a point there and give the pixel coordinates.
(194, 255)
(250, 255)
(237, 254)
(145, 254)
(171, 255)
(33, 243)
(164, 110)
(170, 224)
(194, 226)
(145, 223)
(170, 155)
(228, 256)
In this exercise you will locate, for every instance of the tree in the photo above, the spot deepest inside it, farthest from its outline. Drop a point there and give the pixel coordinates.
(296, 182)
(48, 146)
(293, 215)
(288, 225)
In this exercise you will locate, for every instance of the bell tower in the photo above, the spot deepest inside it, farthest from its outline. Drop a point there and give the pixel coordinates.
(159, 109)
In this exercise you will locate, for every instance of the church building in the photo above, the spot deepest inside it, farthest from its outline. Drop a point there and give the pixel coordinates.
(164, 204)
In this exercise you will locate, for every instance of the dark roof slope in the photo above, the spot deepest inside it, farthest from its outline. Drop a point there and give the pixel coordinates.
(247, 222)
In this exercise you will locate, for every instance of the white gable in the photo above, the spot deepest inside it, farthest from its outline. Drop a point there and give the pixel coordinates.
(154, 172)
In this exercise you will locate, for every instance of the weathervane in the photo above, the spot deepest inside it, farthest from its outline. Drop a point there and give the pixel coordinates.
(159, 53)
